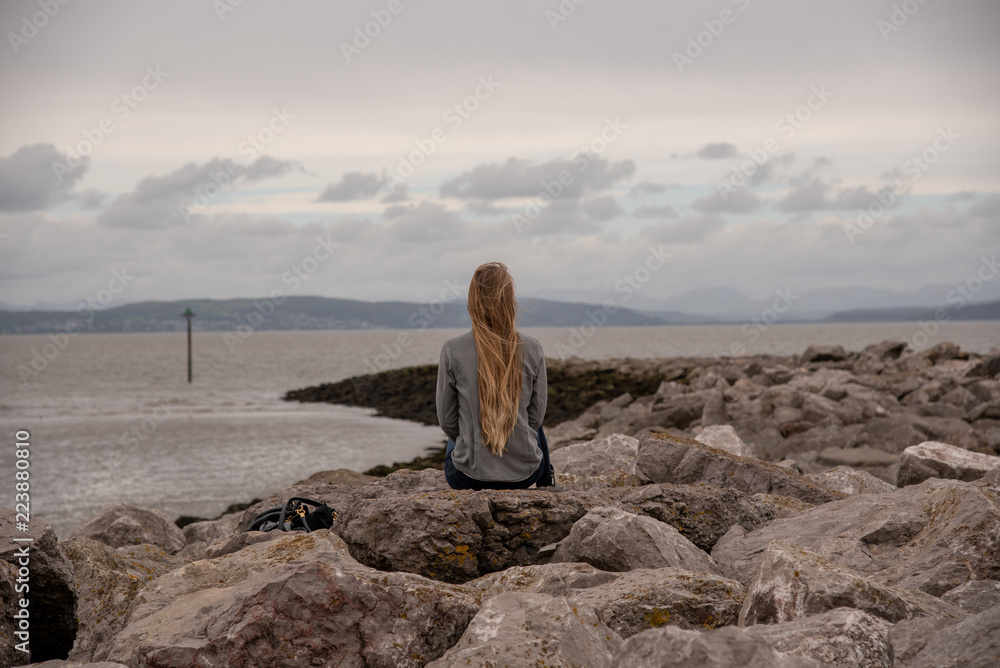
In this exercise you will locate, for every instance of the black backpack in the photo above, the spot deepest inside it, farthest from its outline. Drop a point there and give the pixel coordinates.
(295, 514)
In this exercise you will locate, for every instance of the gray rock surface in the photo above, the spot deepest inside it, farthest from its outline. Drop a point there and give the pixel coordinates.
(107, 582)
(615, 540)
(849, 481)
(724, 437)
(673, 647)
(971, 643)
(974, 595)
(931, 459)
(642, 599)
(790, 583)
(52, 600)
(299, 600)
(608, 456)
(120, 524)
(665, 458)
(559, 579)
(522, 629)
(9, 654)
(839, 637)
(931, 537)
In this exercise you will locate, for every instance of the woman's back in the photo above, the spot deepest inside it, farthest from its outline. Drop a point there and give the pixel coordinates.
(458, 405)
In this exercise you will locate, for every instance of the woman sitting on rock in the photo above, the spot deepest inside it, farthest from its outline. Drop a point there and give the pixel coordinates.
(491, 393)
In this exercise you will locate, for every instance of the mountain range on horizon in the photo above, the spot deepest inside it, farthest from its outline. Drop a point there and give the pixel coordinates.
(326, 313)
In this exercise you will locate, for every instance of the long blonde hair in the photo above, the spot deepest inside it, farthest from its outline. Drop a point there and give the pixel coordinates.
(493, 309)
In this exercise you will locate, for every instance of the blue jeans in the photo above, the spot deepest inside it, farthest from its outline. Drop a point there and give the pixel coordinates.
(458, 480)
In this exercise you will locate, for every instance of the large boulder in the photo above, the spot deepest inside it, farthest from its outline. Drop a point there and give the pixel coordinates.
(297, 601)
(850, 481)
(704, 514)
(971, 643)
(608, 456)
(119, 524)
(44, 568)
(521, 629)
(107, 581)
(556, 579)
(457, 536)
(615, 540)
(974, 595)
(724, 437)
(932, 537)
(674, 459)
(841, 637)
(790, 583)
(674, 647)
(644, 599)
(940, 460)
(817, 353)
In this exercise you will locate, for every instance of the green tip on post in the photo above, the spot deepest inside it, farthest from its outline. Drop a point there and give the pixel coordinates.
(188, 313)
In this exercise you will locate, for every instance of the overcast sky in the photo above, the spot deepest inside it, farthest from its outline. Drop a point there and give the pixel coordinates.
(235, 149)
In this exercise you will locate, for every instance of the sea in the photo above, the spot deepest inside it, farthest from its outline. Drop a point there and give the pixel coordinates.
(112, 418)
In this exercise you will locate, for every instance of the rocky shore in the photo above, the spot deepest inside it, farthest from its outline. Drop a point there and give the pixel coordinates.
(833, 508)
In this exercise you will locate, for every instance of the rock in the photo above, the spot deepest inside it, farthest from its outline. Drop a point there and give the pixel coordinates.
(583, 483)
(975, 595)
(52, 601)
(971, 643)
(672, 459)
(673, 647)
(119, 524)
(558, 579)
(642, 599)
(339, 477)
(985, 411)
(55, 663)
(790, 583)
(614, 540)
(863, 456)
(582, 428)
(847, 480)
(714, 412)
(610, 456)
(823, 354)
(940, 460)
(886, 350)
(891, 433)
(107, 582)
(987, 368)
(703, 514)
(9, 654)
(458, 536)
(299, 600)
(838, 637)
(724, 437)
(930, 537)
(519, 629)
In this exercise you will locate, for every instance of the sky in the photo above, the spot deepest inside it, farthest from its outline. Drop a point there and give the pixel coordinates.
(383, 150)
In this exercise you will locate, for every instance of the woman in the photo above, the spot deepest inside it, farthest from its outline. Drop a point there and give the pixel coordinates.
(491, 392)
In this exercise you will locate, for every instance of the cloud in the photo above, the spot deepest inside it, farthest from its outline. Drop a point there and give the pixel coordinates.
(649, 188)
(602, 209)
(688, 230)
(740, 200)
(28, 181)
(486, 209)
(352, 186)
(717, 151)
(663, 211)
(159, 202)
(427, 222)
(987, 208)
(523, 178)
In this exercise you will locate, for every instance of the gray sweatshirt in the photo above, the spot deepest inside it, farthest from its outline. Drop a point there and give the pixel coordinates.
(458, 412)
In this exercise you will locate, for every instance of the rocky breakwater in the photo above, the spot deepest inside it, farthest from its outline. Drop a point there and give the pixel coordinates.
(685, 548)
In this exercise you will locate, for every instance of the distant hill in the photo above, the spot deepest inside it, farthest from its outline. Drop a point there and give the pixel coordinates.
(304, 313)
(988, 311)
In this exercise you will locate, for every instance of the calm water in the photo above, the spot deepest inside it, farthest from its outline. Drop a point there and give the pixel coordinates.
(112, 417)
